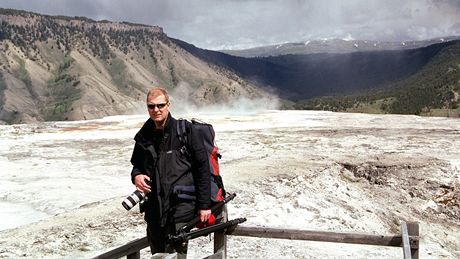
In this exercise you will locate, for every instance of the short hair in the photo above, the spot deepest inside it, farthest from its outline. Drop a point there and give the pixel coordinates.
(157, 91)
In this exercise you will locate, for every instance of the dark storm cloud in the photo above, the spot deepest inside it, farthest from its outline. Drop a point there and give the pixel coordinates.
(247, 23)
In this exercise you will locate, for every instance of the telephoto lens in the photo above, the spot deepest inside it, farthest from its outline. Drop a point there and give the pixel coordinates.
(133, 199)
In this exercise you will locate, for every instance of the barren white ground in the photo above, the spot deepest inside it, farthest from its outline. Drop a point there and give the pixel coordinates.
(62, 184)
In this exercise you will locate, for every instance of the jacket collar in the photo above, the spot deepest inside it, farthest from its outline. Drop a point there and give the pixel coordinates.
(144, 135)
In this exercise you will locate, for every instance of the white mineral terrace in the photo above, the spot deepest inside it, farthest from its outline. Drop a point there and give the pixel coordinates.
(62, 183)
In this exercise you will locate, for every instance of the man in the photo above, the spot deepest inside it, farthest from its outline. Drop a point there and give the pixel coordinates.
(163, 170)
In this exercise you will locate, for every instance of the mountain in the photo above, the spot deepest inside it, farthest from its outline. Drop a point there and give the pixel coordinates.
(72, 68)
(434, 90)
(333, 46)
(302, 77)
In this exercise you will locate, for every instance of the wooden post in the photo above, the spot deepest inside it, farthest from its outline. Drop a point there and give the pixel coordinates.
(135, 255)
(164, 256)
(218, 255)
(220, 238)
(405, 241)
(413, 231)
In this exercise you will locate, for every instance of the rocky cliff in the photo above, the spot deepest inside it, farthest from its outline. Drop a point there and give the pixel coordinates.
(71, 68)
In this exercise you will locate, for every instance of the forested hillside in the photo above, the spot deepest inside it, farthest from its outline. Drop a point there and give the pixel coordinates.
(415, 81)
(69, 68)
(434, 90)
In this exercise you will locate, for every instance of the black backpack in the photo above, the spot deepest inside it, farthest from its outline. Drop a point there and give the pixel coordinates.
(207, 131)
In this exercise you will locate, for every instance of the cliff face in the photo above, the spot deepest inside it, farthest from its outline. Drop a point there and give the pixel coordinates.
(62, 68)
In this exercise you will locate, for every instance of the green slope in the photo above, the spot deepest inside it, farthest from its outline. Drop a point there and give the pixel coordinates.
(434, 90)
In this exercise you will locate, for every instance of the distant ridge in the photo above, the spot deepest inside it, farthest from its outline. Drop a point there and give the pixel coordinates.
(300, 78)
(334, 46)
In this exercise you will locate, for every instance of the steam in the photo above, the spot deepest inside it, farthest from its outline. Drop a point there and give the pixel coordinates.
(181, 95)
(184, 103)
(241, 106)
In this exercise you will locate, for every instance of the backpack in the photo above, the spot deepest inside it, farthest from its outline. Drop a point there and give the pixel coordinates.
(207, 132)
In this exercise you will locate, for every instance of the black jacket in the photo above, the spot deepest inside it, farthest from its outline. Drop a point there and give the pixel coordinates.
(158, 154)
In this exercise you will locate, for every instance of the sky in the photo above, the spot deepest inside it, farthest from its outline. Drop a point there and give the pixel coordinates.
(239, 24)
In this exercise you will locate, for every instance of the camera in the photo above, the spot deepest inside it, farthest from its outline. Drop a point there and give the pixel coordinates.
(134, 198)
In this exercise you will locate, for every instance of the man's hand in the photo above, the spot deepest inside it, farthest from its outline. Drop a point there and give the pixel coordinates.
(204, 215)
(141, 183)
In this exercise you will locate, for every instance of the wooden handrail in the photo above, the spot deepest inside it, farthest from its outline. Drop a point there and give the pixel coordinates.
(323, 236)
(132, 249)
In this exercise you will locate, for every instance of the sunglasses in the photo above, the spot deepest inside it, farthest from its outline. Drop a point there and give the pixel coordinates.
(160, 106)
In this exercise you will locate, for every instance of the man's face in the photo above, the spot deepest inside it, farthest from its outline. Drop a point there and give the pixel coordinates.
(158, 109)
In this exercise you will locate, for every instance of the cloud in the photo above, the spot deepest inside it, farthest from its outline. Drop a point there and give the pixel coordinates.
(248, 23)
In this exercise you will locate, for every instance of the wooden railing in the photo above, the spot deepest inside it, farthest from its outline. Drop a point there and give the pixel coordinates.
(408, 240)
(131, 250)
